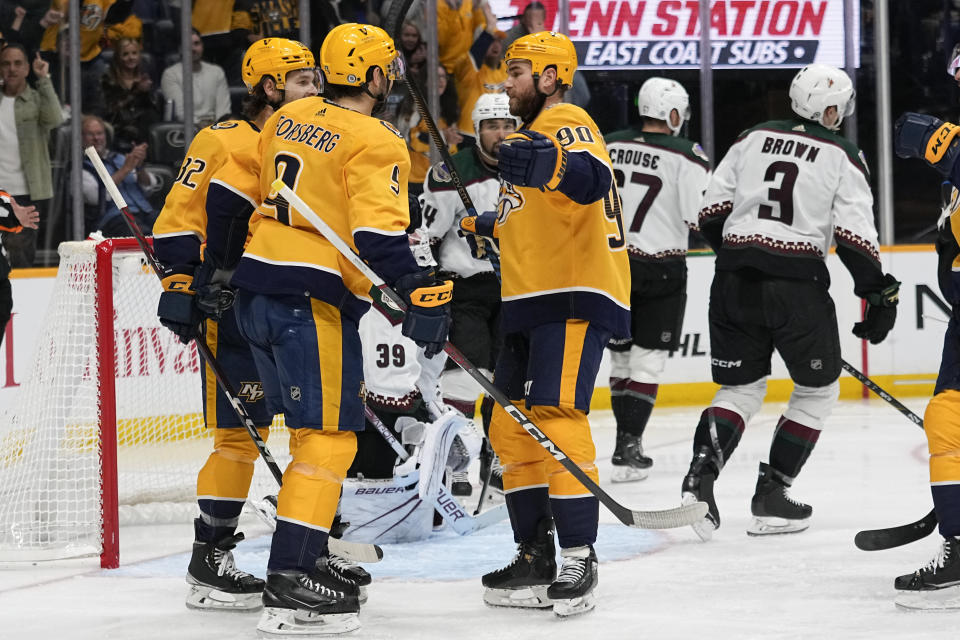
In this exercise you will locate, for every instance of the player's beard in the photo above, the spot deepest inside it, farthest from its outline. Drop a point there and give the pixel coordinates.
(526, 105)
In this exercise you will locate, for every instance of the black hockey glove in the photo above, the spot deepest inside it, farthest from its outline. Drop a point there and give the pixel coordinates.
(214, 294)
(427, 321)
(917, 135)
(881, 312)
(178, 305)
(480, 232)
(531, 159)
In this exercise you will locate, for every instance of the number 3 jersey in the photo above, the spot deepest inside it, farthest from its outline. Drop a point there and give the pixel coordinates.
(661, 180)
(782, 193)
(560, 259)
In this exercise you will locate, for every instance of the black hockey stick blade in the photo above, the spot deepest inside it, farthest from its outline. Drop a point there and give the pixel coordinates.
(880, 539)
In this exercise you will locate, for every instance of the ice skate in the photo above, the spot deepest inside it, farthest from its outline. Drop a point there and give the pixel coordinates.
(304, 606)
(496, 475)
(935, 586)
(575, 589)
(524, 582)
(698, 487)
(629, 463)
(216, 583)
(461, 484)
(774, 511)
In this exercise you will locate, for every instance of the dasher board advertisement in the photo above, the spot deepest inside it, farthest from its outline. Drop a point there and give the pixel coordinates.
(645, 34)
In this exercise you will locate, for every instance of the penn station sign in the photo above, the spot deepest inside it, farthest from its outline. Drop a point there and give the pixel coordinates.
(644, 34)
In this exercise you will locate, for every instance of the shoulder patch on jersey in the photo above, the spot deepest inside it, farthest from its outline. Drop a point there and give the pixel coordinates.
(391, 128)
(699, 152)
(863, 160)
(227, 124)
(800, 127)
(440, 173)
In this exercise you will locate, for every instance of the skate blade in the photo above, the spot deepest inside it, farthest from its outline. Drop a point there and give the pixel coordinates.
(276, 622)
(202, 598)
(705, 527)
(362, 595)
(770, 526)
(523, 598)
(575, 606)
(946, 599)
(265, 510)
(628, 474)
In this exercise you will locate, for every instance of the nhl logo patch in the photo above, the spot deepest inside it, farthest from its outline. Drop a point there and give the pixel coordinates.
(295, 394)
(816, 364)
(666, 336)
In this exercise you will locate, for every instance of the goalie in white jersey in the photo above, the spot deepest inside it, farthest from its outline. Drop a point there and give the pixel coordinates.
(476, 289)
(784, 191)
(661, 177)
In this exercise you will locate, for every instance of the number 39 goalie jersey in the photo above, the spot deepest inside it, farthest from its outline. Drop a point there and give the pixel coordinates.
(782, 192)
(661, 181)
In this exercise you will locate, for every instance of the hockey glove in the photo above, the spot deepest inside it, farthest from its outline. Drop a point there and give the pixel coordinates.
(178, 305)
(214, 294)
(531, 159)
(483, 226)
(921, 136)
(427, 321)
(881, 312)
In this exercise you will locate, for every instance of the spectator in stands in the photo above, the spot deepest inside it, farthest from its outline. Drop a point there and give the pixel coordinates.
(224, 26)
(13, 219)
(275, 19)
(211, 96)
(132, 104)
(420, 143)
(135, 183)
(412, 47)
(24, 21)
(479, 71)
(26, 117)
(457, 21)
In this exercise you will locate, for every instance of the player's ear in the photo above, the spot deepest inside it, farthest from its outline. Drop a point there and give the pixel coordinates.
(270, 89)
(548, 80)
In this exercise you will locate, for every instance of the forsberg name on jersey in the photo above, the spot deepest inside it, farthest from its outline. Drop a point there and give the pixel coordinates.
(311, 135)
(790, 147)
(635, 157)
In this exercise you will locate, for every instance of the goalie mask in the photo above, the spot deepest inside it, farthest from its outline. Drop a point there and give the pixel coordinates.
(658, 98)
(274, 57)
(818, 87)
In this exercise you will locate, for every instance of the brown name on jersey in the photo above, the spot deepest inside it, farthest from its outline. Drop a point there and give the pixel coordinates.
(790, 147)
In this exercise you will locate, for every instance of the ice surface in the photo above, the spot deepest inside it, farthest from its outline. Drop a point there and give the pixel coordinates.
(869, 470)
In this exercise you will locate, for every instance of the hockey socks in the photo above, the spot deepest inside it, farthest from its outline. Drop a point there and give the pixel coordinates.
(720, 431)
(632, 404)
(792, 445)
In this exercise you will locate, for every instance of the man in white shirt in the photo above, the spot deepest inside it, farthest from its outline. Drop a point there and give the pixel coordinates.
(211, 97)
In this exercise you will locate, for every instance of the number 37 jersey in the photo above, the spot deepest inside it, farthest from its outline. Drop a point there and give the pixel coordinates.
(788, 188)
(661, 180)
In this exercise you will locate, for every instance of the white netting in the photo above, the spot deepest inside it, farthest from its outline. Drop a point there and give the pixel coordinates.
(50, 455)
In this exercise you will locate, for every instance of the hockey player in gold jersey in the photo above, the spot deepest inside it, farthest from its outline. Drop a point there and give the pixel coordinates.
(277, 72)
(565, 289)
(299, 301)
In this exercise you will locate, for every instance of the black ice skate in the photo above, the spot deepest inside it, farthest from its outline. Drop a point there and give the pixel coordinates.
(496, 475)
(354, 578)
(297, 604)
(935, 586)
(461, 484)
(774, 511)
(698, 486)
(524, 582)
(216, 583)
(575, 589)
(629, 463)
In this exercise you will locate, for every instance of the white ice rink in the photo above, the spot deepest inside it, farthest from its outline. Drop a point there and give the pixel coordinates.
(869, 470)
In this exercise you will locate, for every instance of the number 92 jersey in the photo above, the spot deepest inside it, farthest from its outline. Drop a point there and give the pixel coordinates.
(788, 188)
(559, 259)
(661, 180)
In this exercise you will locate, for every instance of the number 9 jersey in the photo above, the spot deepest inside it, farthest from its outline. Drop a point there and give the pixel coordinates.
(560, 259)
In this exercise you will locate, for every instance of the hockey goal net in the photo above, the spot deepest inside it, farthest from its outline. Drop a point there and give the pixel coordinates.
(108, 427)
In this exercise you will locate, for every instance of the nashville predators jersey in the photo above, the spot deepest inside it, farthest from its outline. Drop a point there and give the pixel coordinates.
(93, 13)
(559, 259)
(474, 79)
(352, 170)
(181, 228)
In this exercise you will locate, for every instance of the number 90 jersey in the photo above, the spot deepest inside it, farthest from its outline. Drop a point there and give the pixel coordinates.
(789, 187)
(661, 180)
(559, 259)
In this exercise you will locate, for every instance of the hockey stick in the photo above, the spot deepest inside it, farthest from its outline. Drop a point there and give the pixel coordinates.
(879, 539)
(353, 550)
(447, 505)
(664, 519)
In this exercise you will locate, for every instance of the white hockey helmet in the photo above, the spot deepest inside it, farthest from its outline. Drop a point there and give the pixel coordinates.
(817, 87)
(491, 106)
(658, 98)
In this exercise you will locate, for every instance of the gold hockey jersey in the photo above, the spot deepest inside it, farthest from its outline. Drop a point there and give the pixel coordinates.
(560, 259)
(352, 170)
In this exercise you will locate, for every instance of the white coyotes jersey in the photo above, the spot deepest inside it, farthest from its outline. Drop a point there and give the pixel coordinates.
(790, 186)
(661, 180)
(442, 211)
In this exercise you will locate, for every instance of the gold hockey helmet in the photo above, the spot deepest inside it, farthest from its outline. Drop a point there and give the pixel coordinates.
(350, 50)
(544, 49)
(275, 57)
